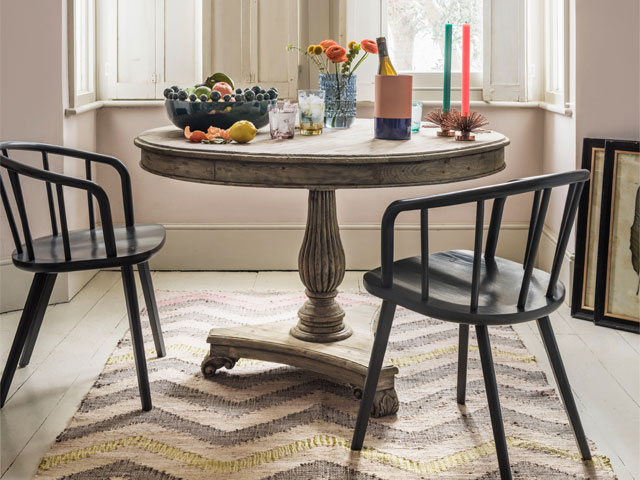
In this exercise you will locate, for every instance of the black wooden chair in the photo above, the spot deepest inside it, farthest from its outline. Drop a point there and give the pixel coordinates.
(103, 247)
(471, 289)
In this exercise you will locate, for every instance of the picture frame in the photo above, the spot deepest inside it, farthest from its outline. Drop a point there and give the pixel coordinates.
(617, 300)
(587, 232)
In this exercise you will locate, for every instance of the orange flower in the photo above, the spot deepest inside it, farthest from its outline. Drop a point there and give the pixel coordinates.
(369, 46)
(327, 43)
(336, 54)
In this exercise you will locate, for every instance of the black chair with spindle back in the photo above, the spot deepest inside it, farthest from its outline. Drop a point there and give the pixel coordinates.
(104, 246)
(471, 289)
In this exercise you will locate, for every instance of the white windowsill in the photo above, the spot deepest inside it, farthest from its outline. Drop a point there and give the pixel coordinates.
(566, 111)
(113, 104)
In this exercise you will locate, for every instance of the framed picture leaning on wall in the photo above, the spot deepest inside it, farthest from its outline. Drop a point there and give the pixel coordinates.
(587, 232)
(617, 299)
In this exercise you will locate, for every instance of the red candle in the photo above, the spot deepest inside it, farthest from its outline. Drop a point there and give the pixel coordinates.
(466, 48)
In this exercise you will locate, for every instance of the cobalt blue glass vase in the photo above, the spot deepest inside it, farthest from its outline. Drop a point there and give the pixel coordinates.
(339, 99)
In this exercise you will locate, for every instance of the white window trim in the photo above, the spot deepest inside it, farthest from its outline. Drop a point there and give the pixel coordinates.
(556, 97)
(79, 99)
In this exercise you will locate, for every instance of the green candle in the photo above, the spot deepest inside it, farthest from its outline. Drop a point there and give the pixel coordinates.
(446, 88)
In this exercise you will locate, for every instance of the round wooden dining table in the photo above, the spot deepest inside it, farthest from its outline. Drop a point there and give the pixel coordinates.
(323, 340)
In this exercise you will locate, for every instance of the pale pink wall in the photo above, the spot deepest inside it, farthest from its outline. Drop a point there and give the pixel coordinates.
(608, 70)
(558, 155)
(605, 87)
(33, 95)
(164, 200)
(31, 89)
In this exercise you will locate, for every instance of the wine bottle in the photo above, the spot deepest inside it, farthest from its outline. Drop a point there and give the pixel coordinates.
(384, 66)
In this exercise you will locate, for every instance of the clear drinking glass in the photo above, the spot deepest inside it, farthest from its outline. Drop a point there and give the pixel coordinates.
(416, 115)
(311, 103)
(282, 120)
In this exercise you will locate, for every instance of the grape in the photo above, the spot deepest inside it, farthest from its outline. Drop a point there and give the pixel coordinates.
(166, 92)
(175, 88)
(249, 95)
(182, 95)
(193, 97)
(256, 89)
(259, 97)
(226, 98)
(238, 97)
(203, 98)
(215, 95)
(238, 90)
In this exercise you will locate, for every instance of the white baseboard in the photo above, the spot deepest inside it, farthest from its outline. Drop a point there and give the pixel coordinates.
(15, 283)
(275, 247)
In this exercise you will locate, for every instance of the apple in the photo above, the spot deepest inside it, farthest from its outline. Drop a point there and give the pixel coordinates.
(224, 88)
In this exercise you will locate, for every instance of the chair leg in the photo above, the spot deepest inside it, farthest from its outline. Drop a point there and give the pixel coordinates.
(49, 282)
(491, 386)
(550, 344)
(31, 308)
(373, 374)
(131, 298)
(463, 353)
(152, 308)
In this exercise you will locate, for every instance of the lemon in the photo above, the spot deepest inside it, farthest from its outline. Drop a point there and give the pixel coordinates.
(243, 131)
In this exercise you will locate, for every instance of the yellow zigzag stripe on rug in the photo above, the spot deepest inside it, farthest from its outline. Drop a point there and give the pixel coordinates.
(218, 466)
(398, 362)
(406, 361)
(176, 347)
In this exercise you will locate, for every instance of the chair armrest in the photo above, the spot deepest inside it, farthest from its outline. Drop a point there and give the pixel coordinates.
(514, 187)
(472, 195)
(125, 178)
(59, 179)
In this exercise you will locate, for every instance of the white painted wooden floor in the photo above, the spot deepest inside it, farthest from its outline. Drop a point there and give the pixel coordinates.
(77, 338)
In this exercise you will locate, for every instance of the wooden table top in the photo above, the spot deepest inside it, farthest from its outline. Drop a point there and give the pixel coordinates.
(339, 158)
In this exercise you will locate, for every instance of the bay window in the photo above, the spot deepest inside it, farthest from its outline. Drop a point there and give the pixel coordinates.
(134, 49)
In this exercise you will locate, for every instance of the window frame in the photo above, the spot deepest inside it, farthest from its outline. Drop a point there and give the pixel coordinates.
(83, 60)
(556, 42)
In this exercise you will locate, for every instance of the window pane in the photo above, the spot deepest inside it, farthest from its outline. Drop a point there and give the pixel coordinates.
(416, 33)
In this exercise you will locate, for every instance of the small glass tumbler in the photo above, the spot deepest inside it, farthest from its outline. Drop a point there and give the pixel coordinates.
(282, 120)
(311, 103)
(416, 115)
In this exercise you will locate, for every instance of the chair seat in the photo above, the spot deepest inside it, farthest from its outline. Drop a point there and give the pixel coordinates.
(450, 276)
(133, 245)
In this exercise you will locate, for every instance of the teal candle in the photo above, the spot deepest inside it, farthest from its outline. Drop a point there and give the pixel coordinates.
(446, 88)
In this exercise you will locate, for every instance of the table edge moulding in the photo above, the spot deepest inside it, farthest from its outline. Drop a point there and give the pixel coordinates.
(322, 341)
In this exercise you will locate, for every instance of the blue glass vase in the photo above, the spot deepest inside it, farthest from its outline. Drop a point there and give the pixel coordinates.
(339, 99)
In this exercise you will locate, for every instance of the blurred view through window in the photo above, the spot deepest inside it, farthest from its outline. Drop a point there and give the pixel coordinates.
(415, 33)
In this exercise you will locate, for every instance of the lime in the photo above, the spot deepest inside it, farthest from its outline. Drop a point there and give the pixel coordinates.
(202, 91)
(243, 131)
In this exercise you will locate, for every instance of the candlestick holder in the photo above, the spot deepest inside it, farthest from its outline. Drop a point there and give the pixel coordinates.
(466, 125)
(438, 117)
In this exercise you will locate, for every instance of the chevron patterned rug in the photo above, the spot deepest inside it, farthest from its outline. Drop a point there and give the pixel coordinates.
(268, 421)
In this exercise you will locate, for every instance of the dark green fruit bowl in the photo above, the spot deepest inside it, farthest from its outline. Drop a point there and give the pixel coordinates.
(202, 115)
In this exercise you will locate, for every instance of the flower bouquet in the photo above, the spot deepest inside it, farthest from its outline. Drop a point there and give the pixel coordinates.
(337, 66)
